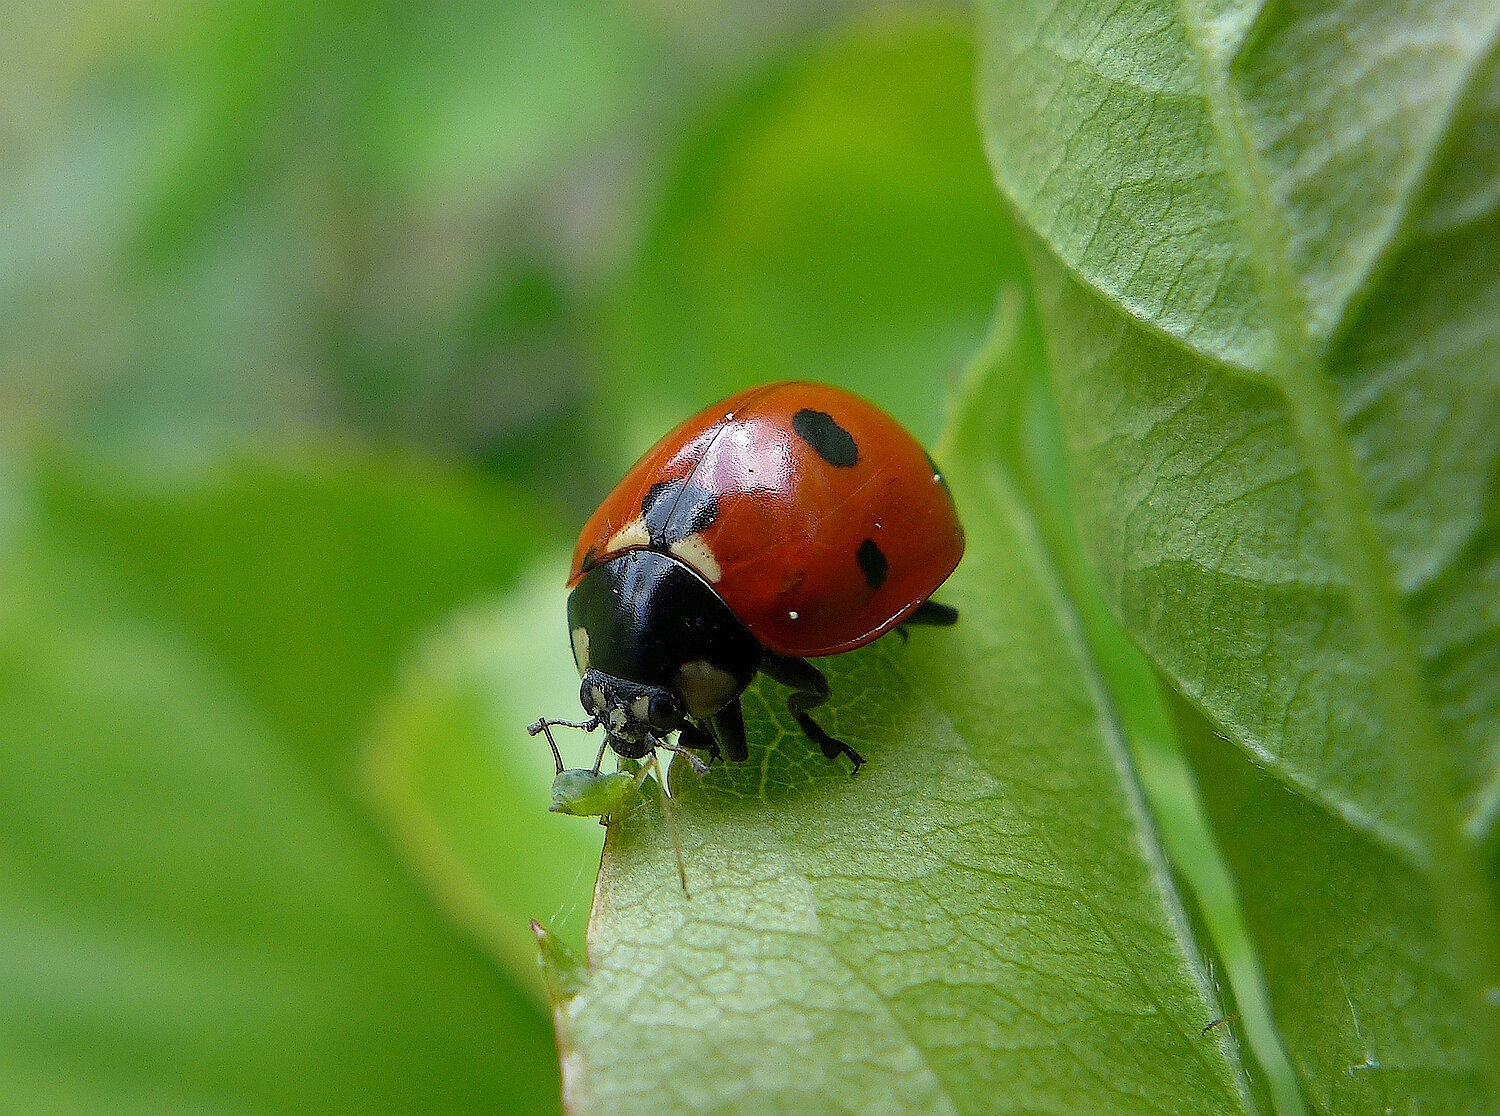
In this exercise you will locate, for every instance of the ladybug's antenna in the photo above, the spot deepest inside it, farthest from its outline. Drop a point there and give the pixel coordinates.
(544, 726)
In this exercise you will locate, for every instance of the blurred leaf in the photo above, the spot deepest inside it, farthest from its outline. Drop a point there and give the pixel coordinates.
(483, 98)
(192, 918)
(466, 791)
(1266, 257)
(309, 577)
(835, 222)
(981, 921)
(442, 104)
(272, 214)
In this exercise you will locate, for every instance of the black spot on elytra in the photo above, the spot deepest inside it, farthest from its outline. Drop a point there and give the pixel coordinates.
(659, 499)
(832, 442)
(872, 561)
(675, 509)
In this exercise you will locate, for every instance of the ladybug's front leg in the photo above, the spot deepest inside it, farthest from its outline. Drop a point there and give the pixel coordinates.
(809, 690)
(729, 727)
(692, 736)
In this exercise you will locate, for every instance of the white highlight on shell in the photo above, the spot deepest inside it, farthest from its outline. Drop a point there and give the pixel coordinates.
(792, 615)
(581, 648)
(696, 553)
(629, 537)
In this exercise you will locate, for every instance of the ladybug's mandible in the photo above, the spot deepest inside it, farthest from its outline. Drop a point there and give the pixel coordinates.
(790, 521)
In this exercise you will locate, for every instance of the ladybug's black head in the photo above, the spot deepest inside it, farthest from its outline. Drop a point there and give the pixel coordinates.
(654, 643)
(636, 716)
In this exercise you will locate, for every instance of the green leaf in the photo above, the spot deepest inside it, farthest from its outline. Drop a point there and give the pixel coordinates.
(564, 969)
(466, 791)
(980, 921)
(192, 918)
(834, 222)
(1020, 424)
(1265, 249)
(1367, 1010)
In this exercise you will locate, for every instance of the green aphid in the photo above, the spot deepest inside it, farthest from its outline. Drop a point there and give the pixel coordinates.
(585, 794)
(589, 793)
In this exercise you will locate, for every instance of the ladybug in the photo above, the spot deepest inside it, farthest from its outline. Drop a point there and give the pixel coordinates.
(788, 522)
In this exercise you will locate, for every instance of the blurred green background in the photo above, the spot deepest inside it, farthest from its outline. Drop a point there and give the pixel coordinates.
(322, 327)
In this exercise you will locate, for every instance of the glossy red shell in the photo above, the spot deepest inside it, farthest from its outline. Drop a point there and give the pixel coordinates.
(814, 553)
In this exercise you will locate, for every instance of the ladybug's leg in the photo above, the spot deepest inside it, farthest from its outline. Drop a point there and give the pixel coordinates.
(933, 614)
(698, 766)
(693, 736)
(809, 690)
(729, 727)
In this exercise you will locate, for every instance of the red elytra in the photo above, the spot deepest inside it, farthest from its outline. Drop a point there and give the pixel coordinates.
(830, 525)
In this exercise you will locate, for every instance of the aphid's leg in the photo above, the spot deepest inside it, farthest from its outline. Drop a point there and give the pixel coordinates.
(692, 736)
(544, 726)
(729, 727)
(541, 726)
(933, 614)
(809, 690)
(600, 757)
(666, 812)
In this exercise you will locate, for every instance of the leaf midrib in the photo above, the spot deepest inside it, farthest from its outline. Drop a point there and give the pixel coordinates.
(1462, 899)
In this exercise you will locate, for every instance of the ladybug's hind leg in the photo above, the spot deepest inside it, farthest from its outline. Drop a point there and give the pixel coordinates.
(809, 690)
(933, 614)
(929, 614)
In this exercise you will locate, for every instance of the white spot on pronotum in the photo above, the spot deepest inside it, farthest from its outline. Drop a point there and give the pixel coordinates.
(695, 552)
(640, 707)
(704, 687)
(629, 537)
(792, 615)
(937, 478)
(581, 648)
(728, 415)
